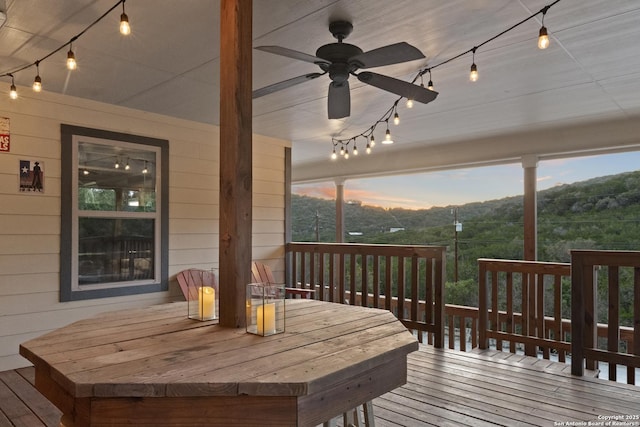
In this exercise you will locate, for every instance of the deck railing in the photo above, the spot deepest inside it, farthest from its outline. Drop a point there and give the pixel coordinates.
(408, 280)
(585, 268)
(521, 302)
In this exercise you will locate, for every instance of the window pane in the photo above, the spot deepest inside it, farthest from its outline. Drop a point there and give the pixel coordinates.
(115, 250)
(116, 178)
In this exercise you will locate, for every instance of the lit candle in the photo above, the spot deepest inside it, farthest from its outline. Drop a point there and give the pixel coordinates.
(266, 319)
(206, 302)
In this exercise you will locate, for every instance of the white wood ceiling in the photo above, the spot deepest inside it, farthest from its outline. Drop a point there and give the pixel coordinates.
(170, 65)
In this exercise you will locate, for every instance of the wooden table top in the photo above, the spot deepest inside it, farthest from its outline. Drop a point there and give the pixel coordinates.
(158, 352)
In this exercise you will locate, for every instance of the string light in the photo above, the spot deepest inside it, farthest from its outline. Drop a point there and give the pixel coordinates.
(355, 149)
(37, 82)
(125, 28)
(127, 167)
(387, 136)
(473, 76)
(396, 119)
(117, 165)
(543, 37)
(334, 155)
(368, 149)
(71, 57)
(13, 92)
(145, 170)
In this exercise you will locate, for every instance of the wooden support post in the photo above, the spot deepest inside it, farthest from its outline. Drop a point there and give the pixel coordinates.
(339, 210)
(235, 159)
(530, 165)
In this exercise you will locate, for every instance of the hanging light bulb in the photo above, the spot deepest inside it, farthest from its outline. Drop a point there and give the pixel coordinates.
(71, 59)
(396, 119)
(409, 103)
(37, 82)
(368, 149)
(355, 149)
(373, 141)
(430, 84)
(85, 172)
(387, 137)
(473, 75)
(543, 37)
(13, 92)
(125, 28)
(117, 164)
(145, 170)
(346, 153)
(127, 167)
(334, 155)
(342, 151)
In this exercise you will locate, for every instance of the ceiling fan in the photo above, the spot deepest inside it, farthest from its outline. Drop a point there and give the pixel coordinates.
(340, 60)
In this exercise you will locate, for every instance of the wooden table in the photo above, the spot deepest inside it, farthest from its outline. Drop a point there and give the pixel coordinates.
(155, 367)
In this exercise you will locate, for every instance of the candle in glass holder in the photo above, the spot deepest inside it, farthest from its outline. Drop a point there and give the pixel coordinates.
(206, 302)
(266, 319)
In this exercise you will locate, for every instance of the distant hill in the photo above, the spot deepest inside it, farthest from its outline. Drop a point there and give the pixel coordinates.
(602, 213)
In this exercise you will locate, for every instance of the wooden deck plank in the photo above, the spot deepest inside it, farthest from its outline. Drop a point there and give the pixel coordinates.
(444, 388)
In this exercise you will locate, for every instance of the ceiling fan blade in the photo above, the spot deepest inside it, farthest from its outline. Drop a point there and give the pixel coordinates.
(339, 103)
(284, 84)
(290, 53)
(399, 87)
(386, 55)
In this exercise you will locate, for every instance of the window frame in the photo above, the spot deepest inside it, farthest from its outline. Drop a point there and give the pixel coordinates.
(70, 289)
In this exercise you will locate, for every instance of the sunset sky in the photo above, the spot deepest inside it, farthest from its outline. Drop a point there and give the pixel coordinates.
(462, 186)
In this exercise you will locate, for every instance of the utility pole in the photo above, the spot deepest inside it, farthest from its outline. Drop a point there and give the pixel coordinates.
(457, 227)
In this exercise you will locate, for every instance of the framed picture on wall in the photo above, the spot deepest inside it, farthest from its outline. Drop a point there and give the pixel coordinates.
(31, 176)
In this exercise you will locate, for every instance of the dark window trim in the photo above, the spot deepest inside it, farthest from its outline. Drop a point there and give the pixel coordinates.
(66, 292)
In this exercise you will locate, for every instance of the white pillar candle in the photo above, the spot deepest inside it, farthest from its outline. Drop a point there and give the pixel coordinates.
(206, 302)
(266, 317)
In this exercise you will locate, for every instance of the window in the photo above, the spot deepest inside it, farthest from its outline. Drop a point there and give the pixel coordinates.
(114, 228)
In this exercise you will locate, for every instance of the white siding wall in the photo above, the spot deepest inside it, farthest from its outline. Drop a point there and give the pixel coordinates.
(30, 223)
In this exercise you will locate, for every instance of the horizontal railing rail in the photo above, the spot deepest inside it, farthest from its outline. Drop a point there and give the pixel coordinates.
(379, 275)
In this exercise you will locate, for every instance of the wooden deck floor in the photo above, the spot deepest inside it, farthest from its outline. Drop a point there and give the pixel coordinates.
(444, 388)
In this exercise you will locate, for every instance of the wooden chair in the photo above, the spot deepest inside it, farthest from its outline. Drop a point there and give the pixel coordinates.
(195, 276)
(261, 273)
